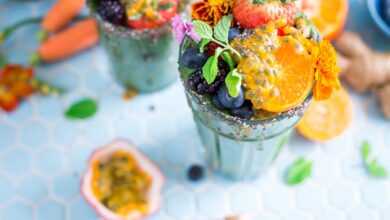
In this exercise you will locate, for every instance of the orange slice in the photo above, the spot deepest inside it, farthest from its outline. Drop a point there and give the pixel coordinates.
(327, 119)
(295, 82)
(329, 16)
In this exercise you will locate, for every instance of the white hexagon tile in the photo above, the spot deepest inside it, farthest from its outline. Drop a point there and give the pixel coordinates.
(43, 155)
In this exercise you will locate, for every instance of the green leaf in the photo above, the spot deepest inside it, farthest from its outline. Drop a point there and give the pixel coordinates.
(210, 69)
(221, 31)
(203, 43)
(376, 170)
(229, 60)
(203, 29)
(366, 150)
(233, 83)
(82, 109)
(299, 171)
(371, 164)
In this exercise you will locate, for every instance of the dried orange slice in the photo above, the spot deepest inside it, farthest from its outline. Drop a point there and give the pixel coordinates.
(295, 81)
(329, 16)
(327, 119)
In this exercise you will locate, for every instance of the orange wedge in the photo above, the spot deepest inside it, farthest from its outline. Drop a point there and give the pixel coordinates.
(329, 16)
(327, 119)
(295, 82)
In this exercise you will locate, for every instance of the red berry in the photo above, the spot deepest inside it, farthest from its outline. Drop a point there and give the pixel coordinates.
(252, 15)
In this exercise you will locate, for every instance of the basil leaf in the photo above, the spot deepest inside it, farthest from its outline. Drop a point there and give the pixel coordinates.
(203, 43)
(203, 29)
(299, 171)
(82, 109)
(221, 31)
(210, 69)
(233, 83)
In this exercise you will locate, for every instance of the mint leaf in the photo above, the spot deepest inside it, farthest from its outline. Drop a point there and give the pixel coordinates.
(371, 164)
(210, 69)
(229, 60)
(233, 83)
(366, 150)
(203, 43)
(203, 29)
(82, 109)
(299, 171)
(221, 31)
(376, 170)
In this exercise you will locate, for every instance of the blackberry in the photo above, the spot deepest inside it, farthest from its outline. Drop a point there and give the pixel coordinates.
(245, 111)
(197, 83)
(112, 11)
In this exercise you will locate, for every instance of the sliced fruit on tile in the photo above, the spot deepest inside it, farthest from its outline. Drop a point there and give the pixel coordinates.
(327, 119)
(121, 183)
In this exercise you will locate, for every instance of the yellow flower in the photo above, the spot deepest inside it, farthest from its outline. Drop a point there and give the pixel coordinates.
(326, 72)
(211, 11)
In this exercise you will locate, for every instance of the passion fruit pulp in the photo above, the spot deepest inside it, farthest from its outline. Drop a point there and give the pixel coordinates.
(142, 197)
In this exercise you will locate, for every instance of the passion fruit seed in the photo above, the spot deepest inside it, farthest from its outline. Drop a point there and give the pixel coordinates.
(120, 184)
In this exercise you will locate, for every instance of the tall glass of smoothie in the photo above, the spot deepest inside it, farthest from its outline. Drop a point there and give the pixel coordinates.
(248, 76)
(138, 40)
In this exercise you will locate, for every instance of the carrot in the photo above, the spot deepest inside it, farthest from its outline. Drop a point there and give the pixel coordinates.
(83, 35)
(61, 14)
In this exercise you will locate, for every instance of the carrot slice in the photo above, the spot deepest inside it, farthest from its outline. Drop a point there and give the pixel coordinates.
(80, 36)
(62, 12)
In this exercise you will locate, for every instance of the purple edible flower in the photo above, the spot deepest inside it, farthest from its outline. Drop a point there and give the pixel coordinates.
(182, 28)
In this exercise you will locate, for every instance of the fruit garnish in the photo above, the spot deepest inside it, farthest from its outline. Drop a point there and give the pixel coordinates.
(112, 11)
(278, 72)
(211, 11)
(121, 183)
(148, 14)
(329, 16)
(327, 119)
(256, 13)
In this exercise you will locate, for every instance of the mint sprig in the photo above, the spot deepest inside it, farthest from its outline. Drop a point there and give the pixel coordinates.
(371, 164)
(299, 171)
(220, 36)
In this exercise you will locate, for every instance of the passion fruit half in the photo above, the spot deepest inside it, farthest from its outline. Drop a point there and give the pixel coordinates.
(144, 167)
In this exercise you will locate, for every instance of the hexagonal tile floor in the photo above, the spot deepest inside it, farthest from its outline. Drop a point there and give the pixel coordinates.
(43, 155)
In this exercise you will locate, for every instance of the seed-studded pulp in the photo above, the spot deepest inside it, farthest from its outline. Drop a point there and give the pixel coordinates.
(120, 184)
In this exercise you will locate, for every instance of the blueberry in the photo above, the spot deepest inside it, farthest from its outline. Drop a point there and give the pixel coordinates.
(195, 173)
(233, 33)
(230, 102)
(216, 103)
(193, 59)
(245, 111)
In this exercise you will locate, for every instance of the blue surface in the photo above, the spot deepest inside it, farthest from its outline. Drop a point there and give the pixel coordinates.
(375, 8)
(43, 155)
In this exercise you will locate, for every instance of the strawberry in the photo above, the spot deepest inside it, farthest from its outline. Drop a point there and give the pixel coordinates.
(250, 14)
(167, 10)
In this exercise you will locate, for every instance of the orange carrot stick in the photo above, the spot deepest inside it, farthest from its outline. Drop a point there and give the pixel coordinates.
(61, 14)
(72, 40)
